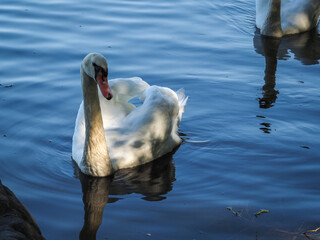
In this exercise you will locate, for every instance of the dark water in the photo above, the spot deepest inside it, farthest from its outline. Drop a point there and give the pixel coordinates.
(251, 127)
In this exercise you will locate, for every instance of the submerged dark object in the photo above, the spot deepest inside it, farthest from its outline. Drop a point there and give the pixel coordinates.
(15, 220)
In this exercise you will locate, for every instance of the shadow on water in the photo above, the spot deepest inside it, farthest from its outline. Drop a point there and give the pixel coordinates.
(152, 180)
(304, 47)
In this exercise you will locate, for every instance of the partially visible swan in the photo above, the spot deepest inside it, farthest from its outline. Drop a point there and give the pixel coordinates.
(276, 18)
(112, 134)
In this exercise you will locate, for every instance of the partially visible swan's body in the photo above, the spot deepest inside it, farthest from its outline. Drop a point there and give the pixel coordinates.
(131, 135)
(277, 18)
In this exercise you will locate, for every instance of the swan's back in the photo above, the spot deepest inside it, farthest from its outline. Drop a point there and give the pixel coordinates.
(299, 15)
(296, 16)
(148, 131)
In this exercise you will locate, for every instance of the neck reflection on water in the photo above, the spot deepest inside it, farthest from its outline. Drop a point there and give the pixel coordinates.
(304, 47)
(152, 180)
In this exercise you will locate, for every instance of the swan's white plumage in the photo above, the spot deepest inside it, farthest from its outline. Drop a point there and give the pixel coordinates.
(135, 135)
(295, 16)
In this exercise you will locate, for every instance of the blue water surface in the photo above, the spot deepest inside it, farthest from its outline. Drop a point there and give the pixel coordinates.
(251, 127)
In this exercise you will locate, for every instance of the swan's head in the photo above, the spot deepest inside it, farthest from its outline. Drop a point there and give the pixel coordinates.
(95, 66)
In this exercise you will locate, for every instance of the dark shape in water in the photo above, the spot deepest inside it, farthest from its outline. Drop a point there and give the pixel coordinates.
(305, 47)
(15, 220)
(270, 46)
(306, 147)
(152, 180)
(266, 127)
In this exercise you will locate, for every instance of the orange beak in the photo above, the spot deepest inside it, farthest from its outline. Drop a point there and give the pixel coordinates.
(104, 86)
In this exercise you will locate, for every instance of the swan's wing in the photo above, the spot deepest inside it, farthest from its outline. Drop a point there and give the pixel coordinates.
(117, 108)
(149, 131)
(125, 89)
(299, 15)
(182, 100)
(160, 112)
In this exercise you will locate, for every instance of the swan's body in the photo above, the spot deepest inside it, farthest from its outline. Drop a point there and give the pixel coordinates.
(277, 18)
(127, 136)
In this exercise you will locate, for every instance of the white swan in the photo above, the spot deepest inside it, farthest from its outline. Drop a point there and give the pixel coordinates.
(277, 18)
(112, 134)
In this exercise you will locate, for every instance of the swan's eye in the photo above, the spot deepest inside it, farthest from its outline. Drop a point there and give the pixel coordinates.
(99, 71)
(96, 67)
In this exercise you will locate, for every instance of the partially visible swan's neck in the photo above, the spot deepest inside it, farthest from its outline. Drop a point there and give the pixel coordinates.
(271, 25)
(95, 158)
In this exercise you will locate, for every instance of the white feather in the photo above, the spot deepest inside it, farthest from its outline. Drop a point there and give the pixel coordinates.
(135, 135)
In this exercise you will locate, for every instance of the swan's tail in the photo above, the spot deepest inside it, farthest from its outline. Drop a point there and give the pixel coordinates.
(182, 99)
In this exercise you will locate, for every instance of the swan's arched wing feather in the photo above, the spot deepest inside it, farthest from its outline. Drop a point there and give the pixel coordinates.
(149, 131)
(125, 89)
(182, 99)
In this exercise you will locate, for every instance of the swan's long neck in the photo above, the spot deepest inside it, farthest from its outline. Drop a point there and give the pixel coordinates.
(95, 158)
(271, 24)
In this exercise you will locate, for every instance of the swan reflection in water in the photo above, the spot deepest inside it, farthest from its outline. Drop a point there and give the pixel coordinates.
(152, 180)
(305, 47)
